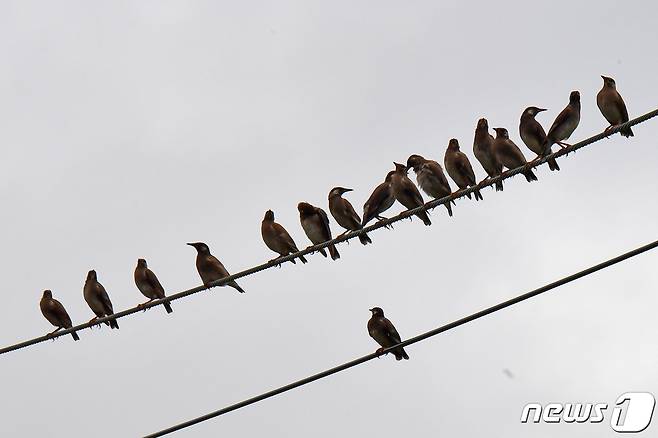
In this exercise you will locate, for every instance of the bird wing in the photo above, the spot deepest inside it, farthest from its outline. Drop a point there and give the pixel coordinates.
(624, 111)
(62, 315)
(285, 237)
(559, 120)
(325, 220)
(105, 299)
(155, 283)
(465, 168)
(391, 332)
(437, 171)
(351, 213)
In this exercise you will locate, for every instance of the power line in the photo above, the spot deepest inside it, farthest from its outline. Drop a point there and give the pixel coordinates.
(351, 235)
(410, 341)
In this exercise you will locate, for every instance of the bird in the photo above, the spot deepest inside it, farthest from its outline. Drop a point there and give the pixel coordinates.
(510, 155)
(383, 331)
(277, 238)
(459, 168)
(149, 285)
(98, 300)
(210, 268)
(430, 177)
(379, 201)
(482, 148)
(315, 223)
(406, 193)
(612, 106)
(534, 136)
(341, 209)
(565, 123)
(55, 313)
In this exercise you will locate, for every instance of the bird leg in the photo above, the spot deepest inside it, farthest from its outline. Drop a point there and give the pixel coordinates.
(278, 265)
(50, 335)
(382, 218)
(141, 306)
(563, 144)
(485, 179)
(379, 351)
(94, 319)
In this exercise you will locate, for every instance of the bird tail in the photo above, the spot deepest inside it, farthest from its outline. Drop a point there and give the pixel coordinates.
(478, 195)
(293, 261)
(627, 132)
(114, 324)
(449, 208)
(364, 239)
(468, 195)
(75, 336)
(425, 218)
(499, 186)
(303, 259)
(167, 307)
(334, 252)
(401, 354)
(235, 286)
(552, 164)
(529, 175)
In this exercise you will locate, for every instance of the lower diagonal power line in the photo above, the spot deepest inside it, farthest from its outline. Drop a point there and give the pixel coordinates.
(410, 341)
(345, 237)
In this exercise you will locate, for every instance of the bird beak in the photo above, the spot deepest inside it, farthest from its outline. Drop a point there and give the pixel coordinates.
(603, 77)
(191, 244)
(347, 190)
(370, 310)
(541, 109)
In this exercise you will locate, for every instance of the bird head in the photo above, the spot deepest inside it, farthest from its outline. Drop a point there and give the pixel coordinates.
(483, 124)
(91, 275)
(269, 216)
(608, 81)
(337, 191)
(141, 263)
(305, 208)
(377, 311)
(200, 247)
(47, 294)
(533, 110)
(574, 97)
(400, 168)
(501, 133)
(453, 145)
(414, 162)
(389, 175)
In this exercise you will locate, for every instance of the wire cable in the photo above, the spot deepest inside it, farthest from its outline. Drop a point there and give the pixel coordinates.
(345, 237)
(410, 341)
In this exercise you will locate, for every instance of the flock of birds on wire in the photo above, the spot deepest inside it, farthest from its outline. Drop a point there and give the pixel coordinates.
(493, 153)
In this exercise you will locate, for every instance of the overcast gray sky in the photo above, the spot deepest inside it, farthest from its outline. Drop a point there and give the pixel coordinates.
(130, 128)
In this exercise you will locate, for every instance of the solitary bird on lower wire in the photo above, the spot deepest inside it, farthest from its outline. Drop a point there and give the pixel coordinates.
(534, 136)
(379, 201)
(612, 106)
(315, 223)
(55, 313)
(98, 300)
(483, 151)
(383, 331)
(509, 154)
(431, 178)
(149, 285)
(341, 209)
(210, 268)
(459, 168)
(277, 238)
(565, 123)
(406, 193)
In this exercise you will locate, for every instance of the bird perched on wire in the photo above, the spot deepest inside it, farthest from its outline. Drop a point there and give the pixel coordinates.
(459, 168)
(565, 123)
(149, 285)
(315, 223)
(379, 201)
(383, 331)
(210, 268)
(341, 209)
(277, 238)
(509, 154)
(98, 300)
(483, 150)
(612, 106)
(406, 193)
(430, 177)
(534, 136)
(55, 313)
